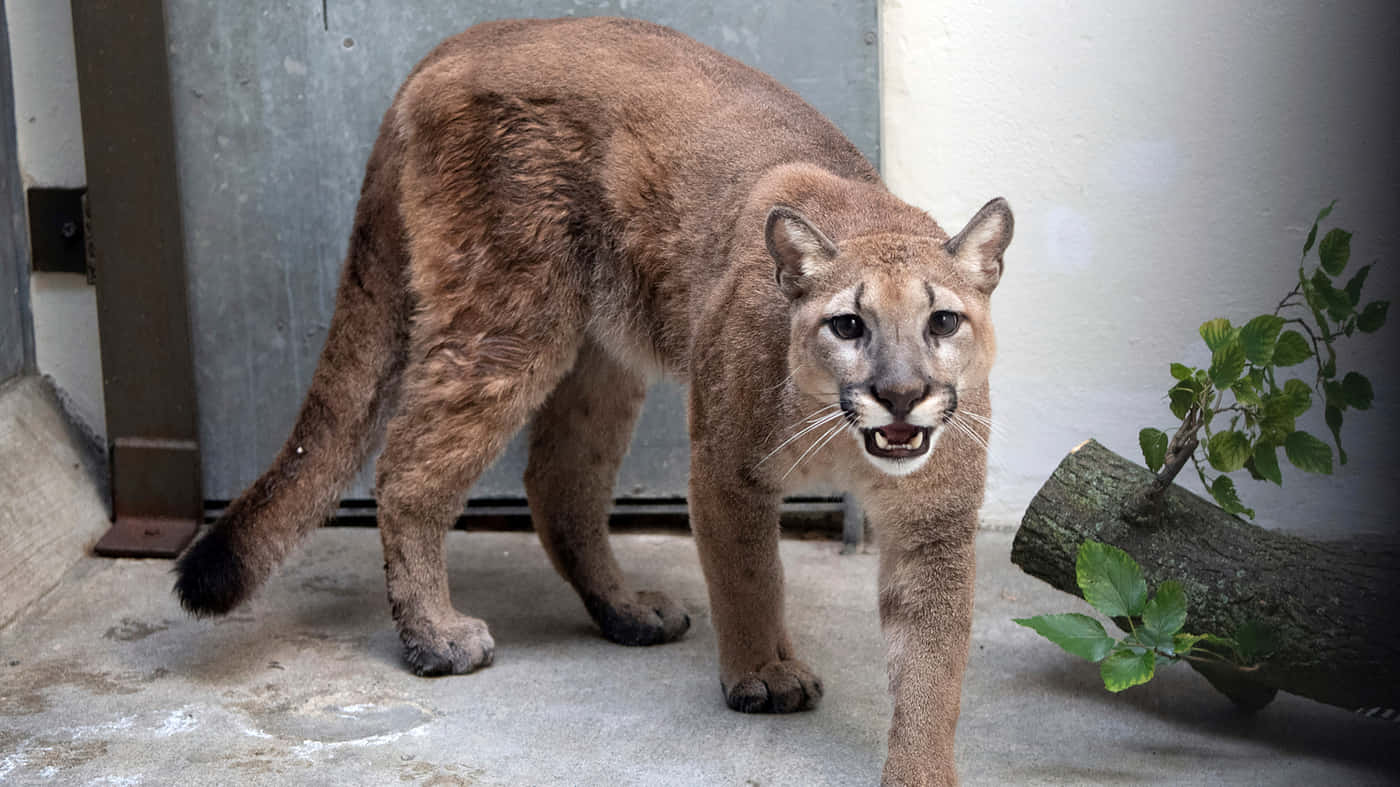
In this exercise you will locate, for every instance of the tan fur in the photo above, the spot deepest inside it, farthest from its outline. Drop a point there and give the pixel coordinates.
(557, 211)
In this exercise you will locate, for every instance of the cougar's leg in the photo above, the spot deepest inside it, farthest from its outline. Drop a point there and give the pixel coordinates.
(459, 409)
(494, 331)
(577, 442)
(498, 287)
(736, 530)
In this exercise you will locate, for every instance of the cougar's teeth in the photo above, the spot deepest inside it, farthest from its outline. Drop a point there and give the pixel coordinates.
(880, 440)
(917, 440)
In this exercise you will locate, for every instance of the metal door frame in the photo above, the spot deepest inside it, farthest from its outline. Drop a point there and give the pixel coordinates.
(14, 244)
(137, 242)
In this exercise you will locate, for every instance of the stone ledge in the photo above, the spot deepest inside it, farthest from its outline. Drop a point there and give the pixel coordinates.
(52, 508)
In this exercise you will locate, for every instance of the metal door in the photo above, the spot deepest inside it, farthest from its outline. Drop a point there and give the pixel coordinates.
(276, 106)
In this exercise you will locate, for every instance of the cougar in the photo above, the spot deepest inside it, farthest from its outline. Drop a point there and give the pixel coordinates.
(554, 214)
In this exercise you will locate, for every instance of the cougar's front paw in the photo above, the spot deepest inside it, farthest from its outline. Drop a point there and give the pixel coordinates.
(454, 647)
(648, 618)
(782, 686)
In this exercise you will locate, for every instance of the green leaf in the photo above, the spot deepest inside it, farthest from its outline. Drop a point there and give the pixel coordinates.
(1308, 453)
(1354, 286)
(1334, 251)
(1312, 233)
(1154, 447)
(1227, 364)
(1373, 316)
(1080, 635)
(1220, 646)
(1254, 640)
(1253, 471)
(1245, 393)
(1339, 306)
(1183, 643)
(1321, 285)
(1356, 389)
(1124, 669)
(1223, 490)
(1181, 371)
(1258, 337)
(1276, 420)
(1151, 638)
(1266, 462)
(1334, 422)
(1333, 394)
(1216, 332)
(1227, 451)
(1182, 396)
(1110, 580)
(1336, 302)
(1299, 396)
(1165, 614)
(1291, 349)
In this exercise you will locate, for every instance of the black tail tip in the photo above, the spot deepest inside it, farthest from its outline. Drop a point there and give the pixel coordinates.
(211, 579)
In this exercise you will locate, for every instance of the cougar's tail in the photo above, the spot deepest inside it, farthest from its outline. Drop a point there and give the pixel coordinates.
(357, 374)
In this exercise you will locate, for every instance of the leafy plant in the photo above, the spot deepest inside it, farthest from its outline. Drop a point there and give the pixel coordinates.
(1112, 583)
(1243, 382)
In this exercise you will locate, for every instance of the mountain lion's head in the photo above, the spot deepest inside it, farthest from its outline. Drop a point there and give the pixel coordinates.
(889, 329)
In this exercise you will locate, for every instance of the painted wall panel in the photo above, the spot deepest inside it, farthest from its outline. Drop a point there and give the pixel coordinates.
(276, 108)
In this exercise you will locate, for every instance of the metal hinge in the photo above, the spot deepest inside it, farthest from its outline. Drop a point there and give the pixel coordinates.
(59, 240)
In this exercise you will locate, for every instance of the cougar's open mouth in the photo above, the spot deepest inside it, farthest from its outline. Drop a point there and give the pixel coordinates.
(897, 440)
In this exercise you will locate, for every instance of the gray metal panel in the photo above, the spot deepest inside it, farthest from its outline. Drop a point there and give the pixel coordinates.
(16, 345)
(276, 108)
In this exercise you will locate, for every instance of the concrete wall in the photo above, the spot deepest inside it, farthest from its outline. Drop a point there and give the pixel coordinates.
(49, 131)
(1165, 161)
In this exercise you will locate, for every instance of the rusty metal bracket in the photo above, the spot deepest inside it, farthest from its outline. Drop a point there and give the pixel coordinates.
(156, 498)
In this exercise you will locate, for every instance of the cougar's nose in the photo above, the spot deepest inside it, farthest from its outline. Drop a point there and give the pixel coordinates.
(900, 400)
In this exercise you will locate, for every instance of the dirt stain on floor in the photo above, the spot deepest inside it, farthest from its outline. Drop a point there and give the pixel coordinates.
(42, 753)
(133, 630)
(297, 715)
(338, 586)
(431, 774)
(25, 686)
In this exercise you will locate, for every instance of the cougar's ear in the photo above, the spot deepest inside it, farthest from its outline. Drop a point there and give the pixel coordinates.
(798, 249)
(979, 247)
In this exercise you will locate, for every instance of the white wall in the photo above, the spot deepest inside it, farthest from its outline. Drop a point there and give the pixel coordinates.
(50, 137)
(1164, 161)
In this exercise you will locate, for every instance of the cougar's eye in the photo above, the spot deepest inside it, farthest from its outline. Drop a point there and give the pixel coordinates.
(847, 326)
(944, 323)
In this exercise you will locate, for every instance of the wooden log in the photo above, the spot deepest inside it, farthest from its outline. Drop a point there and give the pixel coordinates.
(1333, 606)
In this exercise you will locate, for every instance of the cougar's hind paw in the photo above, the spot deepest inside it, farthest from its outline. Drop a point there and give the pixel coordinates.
(648, 618)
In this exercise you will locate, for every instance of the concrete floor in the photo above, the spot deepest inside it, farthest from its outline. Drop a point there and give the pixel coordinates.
(105, 681)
